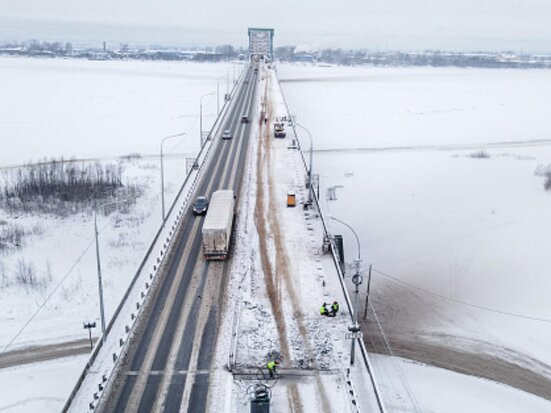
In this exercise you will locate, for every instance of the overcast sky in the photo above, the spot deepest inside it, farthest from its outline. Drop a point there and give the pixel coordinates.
(373, 24)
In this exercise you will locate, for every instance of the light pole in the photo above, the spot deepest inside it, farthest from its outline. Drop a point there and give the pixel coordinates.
(98, 264)
(201, 116)
(311, 158)
(356, 280)
(163, 174)
(218, 96)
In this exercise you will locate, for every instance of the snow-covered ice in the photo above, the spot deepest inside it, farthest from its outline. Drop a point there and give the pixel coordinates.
(98, 109)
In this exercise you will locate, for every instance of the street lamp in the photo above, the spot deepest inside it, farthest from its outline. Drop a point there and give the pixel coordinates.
(218, 96)
(311, 158)
(163, 173)
(98, 264)
(201, 116)
(356, 280)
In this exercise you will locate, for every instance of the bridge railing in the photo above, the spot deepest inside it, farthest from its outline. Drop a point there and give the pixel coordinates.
(160, 244)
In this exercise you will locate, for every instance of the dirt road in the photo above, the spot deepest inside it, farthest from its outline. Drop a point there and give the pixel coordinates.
(463, 355)
(37, 354)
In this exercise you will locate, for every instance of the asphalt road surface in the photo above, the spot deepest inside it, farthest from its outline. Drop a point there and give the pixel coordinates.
(167, 366)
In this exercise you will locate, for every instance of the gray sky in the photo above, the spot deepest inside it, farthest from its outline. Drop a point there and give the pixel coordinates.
(384, 24)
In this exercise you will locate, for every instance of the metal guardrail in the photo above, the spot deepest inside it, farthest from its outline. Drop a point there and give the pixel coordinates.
(363, 350)
(99, 344)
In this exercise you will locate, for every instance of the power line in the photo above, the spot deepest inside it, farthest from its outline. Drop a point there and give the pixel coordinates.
(479, 307)
(41, 306)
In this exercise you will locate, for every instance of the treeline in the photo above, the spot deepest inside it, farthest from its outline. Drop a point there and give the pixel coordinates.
(62, 186)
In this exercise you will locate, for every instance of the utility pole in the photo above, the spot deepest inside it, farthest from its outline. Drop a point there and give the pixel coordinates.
(357, 279)
(218, 96)
(310, 197)
(100, 281)
(98, 265)
(367, 294)
(201, 117)
(355, 328)
(163, 174)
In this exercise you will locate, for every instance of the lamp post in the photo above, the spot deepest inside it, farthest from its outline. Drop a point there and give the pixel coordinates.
(218, 96)
(311, 158)
(163, 173)
(356, 280)
(98, 264)
(201, 116)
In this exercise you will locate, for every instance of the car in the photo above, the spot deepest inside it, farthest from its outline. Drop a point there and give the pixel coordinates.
(226, 134)
(244, 119)
(200, 205)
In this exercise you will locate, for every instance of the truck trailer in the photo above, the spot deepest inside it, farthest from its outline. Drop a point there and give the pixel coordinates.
(217, 227)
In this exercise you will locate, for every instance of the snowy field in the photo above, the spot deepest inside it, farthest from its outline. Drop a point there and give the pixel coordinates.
(436, 390)
(468, 235)
(30, 388)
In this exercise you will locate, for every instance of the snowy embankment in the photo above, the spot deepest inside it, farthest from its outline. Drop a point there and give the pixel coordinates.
(62, 252)
(458, 242)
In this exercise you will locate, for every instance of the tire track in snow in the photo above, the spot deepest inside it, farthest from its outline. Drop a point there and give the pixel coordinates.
(264, 136)
(272, 287)
(282, 266)
(36, 354)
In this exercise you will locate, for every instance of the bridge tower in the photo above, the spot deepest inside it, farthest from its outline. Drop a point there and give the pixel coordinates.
(261, 44)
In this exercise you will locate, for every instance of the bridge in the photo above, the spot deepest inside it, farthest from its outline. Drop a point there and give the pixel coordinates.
(165, 346)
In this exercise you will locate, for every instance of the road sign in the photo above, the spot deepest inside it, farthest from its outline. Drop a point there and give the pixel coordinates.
(353, 336)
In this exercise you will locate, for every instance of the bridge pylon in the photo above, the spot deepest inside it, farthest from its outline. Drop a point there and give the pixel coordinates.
(261, 44)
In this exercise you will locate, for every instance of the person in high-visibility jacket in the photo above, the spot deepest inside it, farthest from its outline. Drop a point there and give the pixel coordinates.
(272, 367)
(334, 308)
(323, 309)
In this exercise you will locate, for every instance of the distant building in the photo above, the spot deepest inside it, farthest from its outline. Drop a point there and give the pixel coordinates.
(304, 58)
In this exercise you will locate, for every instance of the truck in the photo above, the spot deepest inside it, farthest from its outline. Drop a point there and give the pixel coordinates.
(217, 227)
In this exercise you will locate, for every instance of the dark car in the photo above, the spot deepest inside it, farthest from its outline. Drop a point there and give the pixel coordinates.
(200, 205)
(244, 119)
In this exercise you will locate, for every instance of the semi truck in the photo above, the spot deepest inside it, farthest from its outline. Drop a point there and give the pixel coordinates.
(217, 227)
